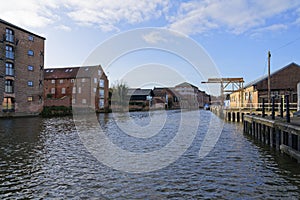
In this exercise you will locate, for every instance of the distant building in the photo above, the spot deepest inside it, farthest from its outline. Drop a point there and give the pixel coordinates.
(76, 86)
(165, 98)
(191, 97)
(283, 82)
(140, 99)
(21, 71)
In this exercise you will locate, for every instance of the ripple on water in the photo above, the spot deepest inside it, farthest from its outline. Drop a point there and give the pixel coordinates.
(48, 160)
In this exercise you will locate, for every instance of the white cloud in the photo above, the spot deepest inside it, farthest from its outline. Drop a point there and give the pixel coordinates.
(108, 15)
(63, 28)
(188, 17)
(271, 28)
(236, 16)
(29, 13)
(154, 38)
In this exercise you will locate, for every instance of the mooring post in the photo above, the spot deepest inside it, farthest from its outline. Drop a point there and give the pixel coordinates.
(298, 143)
(271, 137)
(281, 107)
(288, 117)
(278, 138)
(290, 140)
(263, 107)
(273, 108)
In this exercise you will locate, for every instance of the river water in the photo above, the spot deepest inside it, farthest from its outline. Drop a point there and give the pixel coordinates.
(46, 158)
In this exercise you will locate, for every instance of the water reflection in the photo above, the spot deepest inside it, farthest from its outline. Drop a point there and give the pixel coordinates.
(45, 159)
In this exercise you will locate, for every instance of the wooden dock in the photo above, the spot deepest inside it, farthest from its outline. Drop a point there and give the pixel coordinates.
(275, 133)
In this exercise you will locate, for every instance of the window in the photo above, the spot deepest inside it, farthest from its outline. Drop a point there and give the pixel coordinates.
(74, 90)
(83, 80)
(95, 80)
(52, 81)
(52, 90)
(61, 81)
(246, 96)
(30, 53)
(8, 104)
(9, 35)
(73, 100)
(101, 103)
(63, 90)
(79, 90)
(101, 93)
(95, 90)
(72, 80)
(99, 72)
(9, 86)
(101, 83)
(9, 69)
(30, 83)
(30, 68)
(9, 52)
(83, 101)
(30, 98)
(30, 38)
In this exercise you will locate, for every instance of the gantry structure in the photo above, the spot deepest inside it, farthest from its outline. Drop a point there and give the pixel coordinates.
(228, 85)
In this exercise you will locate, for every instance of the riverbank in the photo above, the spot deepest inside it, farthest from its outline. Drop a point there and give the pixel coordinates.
(280, 133)
(282, 136)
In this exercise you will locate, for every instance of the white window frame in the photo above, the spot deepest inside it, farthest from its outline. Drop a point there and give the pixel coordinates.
(101, 83)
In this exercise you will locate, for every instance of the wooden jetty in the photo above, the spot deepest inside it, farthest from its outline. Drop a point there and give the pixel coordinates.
(275, 133)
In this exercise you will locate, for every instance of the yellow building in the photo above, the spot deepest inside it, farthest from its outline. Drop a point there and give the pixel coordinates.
(283, 82)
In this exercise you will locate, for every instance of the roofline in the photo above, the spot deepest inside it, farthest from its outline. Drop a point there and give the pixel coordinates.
(188, 84)
(66, 67)
(262, 78)
(21, 29)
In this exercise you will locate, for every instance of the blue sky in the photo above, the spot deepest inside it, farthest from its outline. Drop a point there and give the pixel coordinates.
(236, 34)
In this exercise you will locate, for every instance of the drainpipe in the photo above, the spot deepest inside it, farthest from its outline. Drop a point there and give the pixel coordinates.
(298, 93)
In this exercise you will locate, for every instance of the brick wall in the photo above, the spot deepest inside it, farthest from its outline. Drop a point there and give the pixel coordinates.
(84, 80)
(22, 42)
(65, 101)
(286, 78)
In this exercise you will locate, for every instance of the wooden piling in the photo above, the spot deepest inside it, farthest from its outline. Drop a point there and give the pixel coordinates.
(282, 136)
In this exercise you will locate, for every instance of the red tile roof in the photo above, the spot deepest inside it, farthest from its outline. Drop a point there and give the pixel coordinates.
(71, 72)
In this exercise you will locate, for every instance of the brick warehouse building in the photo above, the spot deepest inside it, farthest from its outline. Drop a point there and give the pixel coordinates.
(21, 71)
(283, 82)
(76, 86)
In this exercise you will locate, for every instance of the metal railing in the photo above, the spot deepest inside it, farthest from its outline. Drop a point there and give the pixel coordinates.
(258, 106)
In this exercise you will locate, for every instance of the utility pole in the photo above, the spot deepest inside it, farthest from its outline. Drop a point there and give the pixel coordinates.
(269, 78)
